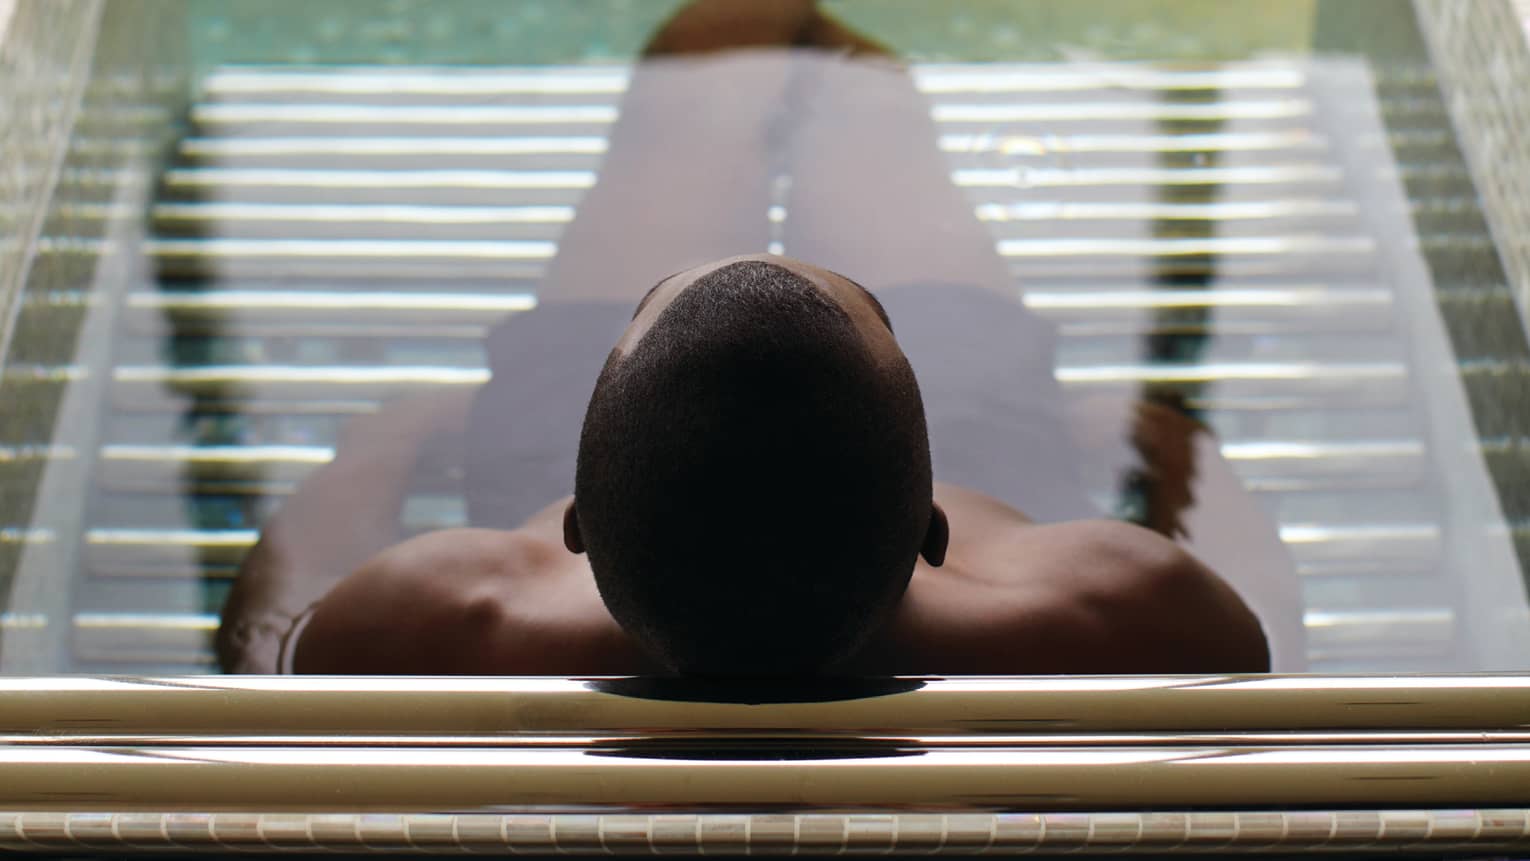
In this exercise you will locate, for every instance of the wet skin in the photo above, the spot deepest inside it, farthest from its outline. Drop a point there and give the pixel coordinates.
(992, 593)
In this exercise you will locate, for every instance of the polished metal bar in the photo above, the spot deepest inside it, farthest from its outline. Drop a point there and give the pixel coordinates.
(721, 779)
(674, 709)
(1358, 832)
(86, 737)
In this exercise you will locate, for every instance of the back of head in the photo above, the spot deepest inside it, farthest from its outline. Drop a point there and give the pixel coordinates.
(753, 485)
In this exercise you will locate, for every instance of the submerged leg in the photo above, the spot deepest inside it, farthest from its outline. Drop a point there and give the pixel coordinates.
(871, 193)
(1193, 496)
(687, 174)
(872, 198)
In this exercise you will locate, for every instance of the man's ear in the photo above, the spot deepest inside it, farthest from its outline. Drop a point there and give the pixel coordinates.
(573, 539)
(936, 537)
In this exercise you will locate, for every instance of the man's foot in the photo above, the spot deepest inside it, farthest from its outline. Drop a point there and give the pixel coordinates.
(704, 26)
(829, 33)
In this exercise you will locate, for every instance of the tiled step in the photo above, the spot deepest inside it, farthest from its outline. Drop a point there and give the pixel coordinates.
(1269, 465)
(408, 221)
(583, 151)
(456, 261)
(453, 86)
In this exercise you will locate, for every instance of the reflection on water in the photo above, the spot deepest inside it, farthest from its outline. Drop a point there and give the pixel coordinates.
(1191, 298)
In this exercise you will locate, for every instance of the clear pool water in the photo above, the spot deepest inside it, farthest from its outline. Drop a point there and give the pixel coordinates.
(1259, 221)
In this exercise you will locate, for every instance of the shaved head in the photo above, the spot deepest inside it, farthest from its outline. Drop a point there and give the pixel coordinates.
(753, 483)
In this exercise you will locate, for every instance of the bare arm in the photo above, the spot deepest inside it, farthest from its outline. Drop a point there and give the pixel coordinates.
(1199, 501)
(341, 515)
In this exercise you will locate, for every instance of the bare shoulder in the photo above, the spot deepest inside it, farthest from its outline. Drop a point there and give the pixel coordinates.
(1110, 547)
(466, 553)
(423, 605)
(1094, 596)
(1082, 555)
(1156, 607)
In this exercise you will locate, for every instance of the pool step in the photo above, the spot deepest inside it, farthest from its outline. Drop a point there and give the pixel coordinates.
(414, 314)
(266, 469)
(404, 221)
(1227, 386)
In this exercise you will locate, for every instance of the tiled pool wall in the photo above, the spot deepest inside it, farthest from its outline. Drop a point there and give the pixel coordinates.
(1481, 51)
(596, 31)
(42, 60)
(91, 93)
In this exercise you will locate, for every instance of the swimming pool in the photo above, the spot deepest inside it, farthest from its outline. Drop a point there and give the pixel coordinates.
(269, 219)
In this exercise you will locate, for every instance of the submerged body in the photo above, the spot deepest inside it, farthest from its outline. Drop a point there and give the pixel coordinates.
(1017, 572)
(995, 592)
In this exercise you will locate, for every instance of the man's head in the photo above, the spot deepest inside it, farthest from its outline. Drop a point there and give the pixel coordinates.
(753, 483)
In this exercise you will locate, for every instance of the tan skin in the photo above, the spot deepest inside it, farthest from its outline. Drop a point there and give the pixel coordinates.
(991, 593)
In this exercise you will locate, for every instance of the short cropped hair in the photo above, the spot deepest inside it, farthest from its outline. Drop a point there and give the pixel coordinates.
(753, 485)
